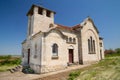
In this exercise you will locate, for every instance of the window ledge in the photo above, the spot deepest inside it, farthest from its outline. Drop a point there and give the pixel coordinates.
(92, 53)
(71, 42)
(55, 57)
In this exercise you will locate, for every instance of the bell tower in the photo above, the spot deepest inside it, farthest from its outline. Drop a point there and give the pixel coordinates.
(39, 19)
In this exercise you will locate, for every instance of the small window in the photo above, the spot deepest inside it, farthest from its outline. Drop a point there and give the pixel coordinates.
(40, 11)
(100, 44)
(70, 39)
(74, 40)
(67, 40)
(55, 49)
(48, 13)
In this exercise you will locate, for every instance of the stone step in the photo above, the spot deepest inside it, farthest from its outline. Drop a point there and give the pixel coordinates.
(16, 69)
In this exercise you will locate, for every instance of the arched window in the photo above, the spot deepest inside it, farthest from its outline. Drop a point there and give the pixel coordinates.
(89, 45)
(55, 49)
(74, 40)
(94, 46)
(70, 39)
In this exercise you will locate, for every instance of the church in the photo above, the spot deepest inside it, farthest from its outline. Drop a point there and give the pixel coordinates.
(51, 47)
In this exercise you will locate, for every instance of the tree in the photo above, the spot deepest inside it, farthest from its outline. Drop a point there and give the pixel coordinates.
(110, 51)
(117, 50)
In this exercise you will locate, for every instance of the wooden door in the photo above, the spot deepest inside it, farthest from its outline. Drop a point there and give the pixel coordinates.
(70, 55)
(28, 56)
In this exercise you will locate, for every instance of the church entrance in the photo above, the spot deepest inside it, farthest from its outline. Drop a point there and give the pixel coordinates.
(71, 56)
(28, 56)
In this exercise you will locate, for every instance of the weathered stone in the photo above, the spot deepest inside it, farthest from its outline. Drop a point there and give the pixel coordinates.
(72, 43)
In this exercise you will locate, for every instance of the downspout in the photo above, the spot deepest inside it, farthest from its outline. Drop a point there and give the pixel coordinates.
(80, 47)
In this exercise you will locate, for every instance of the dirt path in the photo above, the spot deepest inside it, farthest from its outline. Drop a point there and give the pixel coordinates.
(58, 75)
(61, 75)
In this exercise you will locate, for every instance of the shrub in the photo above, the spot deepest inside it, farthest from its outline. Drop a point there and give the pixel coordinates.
(117, 50)
(8, 60)
(27, 70)
(73, 75)
(110, 51)
(6, 57)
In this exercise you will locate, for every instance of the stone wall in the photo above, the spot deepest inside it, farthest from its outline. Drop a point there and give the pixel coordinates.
(45, 69)
(60, 62)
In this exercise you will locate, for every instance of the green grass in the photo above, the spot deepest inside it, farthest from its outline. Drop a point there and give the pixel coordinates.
(113, 55)
(8, 62)
(107, 69)
(74, 74)
(6, 67)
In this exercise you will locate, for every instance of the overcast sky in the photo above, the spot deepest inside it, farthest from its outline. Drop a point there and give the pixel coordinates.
(13, 19)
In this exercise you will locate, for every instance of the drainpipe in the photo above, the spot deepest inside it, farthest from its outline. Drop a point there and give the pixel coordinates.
(80, 47)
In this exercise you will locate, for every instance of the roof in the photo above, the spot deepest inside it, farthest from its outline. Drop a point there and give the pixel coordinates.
(58, 31)
(30, 11)
(74, 28)
(69, 28)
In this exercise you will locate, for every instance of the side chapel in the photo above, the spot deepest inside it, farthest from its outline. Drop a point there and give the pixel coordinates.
(50, 47)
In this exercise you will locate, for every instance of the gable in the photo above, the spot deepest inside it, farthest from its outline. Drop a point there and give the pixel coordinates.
(89, 19)
(89, 23)
(56, 31)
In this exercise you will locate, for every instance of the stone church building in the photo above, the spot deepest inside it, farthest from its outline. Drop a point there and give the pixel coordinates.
(50, 47)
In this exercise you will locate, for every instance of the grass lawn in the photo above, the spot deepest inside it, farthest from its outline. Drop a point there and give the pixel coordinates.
(8, 62)
(107, 69)
(6, 67)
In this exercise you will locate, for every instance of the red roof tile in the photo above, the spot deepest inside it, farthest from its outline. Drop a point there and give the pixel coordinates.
(68, 28)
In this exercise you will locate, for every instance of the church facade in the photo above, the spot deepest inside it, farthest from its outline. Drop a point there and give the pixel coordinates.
(50, 47)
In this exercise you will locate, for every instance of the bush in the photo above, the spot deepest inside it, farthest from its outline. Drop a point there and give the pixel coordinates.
(73, 75)
(111, 53)
(9, 60)
(117, 50)
(6, 57)
(27, 70)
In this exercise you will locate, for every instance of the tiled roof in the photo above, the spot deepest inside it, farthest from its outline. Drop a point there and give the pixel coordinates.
(68, 28)
(76, 27)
